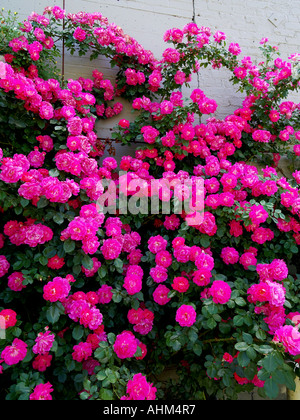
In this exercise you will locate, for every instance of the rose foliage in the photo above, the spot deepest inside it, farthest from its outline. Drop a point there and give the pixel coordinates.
(95, 305)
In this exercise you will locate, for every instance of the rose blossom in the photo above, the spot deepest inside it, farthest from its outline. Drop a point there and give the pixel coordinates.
(160, 295)
(43, 342)
(289, 336)
(220, 292)
(186, 316)
(15, 353)
(125, 345)
(41, 392)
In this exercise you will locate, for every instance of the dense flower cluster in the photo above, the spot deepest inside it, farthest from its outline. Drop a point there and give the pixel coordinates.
(28, 233)
(139, 389)
(207, 269)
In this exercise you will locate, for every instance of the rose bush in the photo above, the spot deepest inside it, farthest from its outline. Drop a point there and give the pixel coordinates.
(96, 305)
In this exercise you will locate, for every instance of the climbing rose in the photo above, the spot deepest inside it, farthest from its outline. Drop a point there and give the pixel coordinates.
(111, 249)
(220, 292)
(186, 316)
(4, 265)
(125, 345)
(43, 343)
(160, 295)
(42, 392)
(57, 289)
(139, 389)
(15, 353)
(82, 351)
(9, 317)
(289, 336)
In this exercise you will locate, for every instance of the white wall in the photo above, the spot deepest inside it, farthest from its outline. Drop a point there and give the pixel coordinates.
(244, 21)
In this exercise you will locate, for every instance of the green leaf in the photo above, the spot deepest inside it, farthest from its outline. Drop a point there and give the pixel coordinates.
(102, 272)
(111, 338)
(243, 359)
(197, 349)
(261, 335)
(106, 394)
(226, 379)
(240, 301)
(53, 312)
(24, 203)
(17, 265)
(42, 203)
(251, 353)
(211, 324)
(84, 395)
(87, 262)
(77, 332)
(264, 349)
(238, 320)
(21, 387)
(205, 241)
(43, 260)
(49, 252)
(193, 336)
(241, 346)
(58, 218)
(271, 362)
(176, 345)
(99, 353)
(101, 375)
(271, 388)
(247, 338)
(69, 246)
(118, 263)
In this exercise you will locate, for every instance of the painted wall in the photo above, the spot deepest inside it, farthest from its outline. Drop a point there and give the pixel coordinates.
(244, 21)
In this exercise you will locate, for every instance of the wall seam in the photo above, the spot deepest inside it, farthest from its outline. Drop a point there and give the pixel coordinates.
(195, 21)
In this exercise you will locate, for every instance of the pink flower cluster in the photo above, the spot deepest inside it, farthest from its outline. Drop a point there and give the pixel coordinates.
(142, 319)
(82, 351)
(268, 291)
(36, 185)
(111, 35)
(81, 307)
(139, 389)
(84, 228)
(27, 233)
(56, 262)
(134, 78)
(43, 342)
(289, 337)
(227, 188)
(57, 289)
(269, 295)
(12, 169)
(276, 270)
(133, 281)
(105, 294)
(160, 295)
